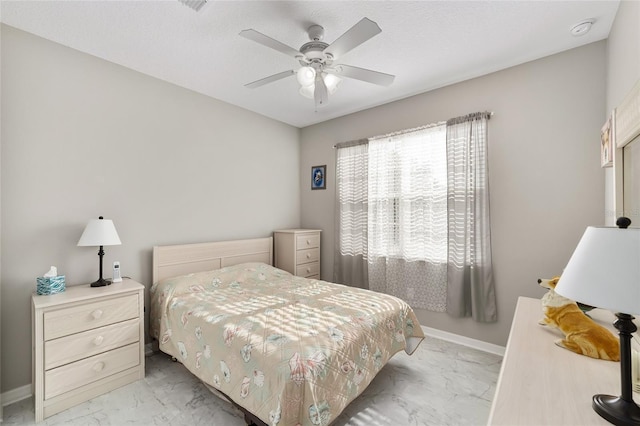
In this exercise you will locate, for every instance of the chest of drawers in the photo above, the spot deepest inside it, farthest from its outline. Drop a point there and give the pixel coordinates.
(298, 251)
(86, 341)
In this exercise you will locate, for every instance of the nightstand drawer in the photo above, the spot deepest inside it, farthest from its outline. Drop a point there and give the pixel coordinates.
(307, 241)
(307, 256)
(75, 319)
(308, 270)
(88, 343)
(71, 376)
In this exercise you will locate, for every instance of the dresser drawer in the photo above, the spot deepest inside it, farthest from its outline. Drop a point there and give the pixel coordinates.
(71, 348)
(308, 269)
(307, 241)
(307, 256)
(62, 322)
(68, 377)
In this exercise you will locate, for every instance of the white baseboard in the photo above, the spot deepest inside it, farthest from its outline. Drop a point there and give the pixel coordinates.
(15, 395)
(465, 341)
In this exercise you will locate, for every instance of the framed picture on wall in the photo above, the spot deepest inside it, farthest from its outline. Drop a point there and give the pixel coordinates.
(607, 142)
(318, 178)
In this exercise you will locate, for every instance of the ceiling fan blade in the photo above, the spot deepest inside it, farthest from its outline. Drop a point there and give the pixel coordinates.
(354, 37)
(363, 74)
(320, 94)
(269, 42)
(269, 79)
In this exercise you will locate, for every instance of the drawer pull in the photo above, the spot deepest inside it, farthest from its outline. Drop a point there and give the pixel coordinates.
(308, 255)
(98, 367)
(308, 242)
(96, 314)
(98, 340)
(308, 269)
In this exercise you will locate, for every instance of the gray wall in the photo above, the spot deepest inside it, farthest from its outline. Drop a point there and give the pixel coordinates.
(623, 53)
(623, 71)
(0, 232)
(82, 137)
(545, 176)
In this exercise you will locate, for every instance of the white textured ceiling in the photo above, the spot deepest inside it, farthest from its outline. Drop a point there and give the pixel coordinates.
(425, 44)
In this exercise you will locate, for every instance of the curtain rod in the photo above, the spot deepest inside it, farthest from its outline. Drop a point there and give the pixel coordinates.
(357, 142)
(469, 117)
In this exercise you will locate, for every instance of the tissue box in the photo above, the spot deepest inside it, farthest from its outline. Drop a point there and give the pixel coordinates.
(50, 285)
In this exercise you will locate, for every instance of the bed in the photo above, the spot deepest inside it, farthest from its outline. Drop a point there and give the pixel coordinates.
(285, 349)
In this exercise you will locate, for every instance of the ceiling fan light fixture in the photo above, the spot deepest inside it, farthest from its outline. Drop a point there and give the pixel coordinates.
(308, 91)
(317, 72)
(332, 82)
(306, 76)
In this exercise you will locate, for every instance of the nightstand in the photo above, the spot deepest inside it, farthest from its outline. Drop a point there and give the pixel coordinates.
(86, 342)
(298, 251)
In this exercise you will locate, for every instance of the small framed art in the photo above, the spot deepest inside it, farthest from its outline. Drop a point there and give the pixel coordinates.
(318, 177)
(607, 142)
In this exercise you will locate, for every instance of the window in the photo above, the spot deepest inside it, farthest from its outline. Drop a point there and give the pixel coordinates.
(413, 217)
(407, 195)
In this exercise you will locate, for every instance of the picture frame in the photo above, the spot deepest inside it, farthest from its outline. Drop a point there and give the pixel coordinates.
(607, 141)
(319, 177)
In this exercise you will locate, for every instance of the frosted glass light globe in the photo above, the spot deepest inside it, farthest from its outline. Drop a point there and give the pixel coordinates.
(332, 82)
(306, 76)
(308, 91)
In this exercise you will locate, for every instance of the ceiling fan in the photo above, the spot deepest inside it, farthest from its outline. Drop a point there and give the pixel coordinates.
(318, 74)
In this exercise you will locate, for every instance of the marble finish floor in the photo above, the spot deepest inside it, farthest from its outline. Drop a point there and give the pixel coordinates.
(442, 383)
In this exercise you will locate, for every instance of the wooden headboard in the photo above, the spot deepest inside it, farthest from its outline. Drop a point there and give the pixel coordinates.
(171, 261)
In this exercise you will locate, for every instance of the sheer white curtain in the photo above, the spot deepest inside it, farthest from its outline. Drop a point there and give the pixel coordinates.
(470, 286)
(407, 223)
(350, 259)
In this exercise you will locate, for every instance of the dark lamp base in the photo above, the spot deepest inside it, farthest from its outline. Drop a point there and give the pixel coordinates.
(616, 410)
(101, 283)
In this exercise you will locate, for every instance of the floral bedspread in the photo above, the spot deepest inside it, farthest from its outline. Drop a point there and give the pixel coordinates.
(290, 350)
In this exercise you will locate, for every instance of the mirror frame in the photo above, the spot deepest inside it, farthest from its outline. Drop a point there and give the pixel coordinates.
(627, 128)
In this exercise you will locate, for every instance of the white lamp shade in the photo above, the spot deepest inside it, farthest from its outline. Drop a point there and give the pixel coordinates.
(306, 76)
(99, 232)
(604, 270)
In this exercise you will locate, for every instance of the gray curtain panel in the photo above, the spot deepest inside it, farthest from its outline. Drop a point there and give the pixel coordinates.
(470, 286)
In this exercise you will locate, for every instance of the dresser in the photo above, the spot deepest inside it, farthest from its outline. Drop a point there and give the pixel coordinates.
(543, 384)
(86, 341)
(298, 251)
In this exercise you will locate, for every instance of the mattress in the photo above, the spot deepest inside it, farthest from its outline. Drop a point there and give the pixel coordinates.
(290, 350)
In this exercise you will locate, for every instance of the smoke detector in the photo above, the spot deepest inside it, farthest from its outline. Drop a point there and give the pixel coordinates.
(581, 28)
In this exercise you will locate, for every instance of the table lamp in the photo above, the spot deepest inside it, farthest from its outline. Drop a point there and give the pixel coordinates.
(100, 232)
(604, 271)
